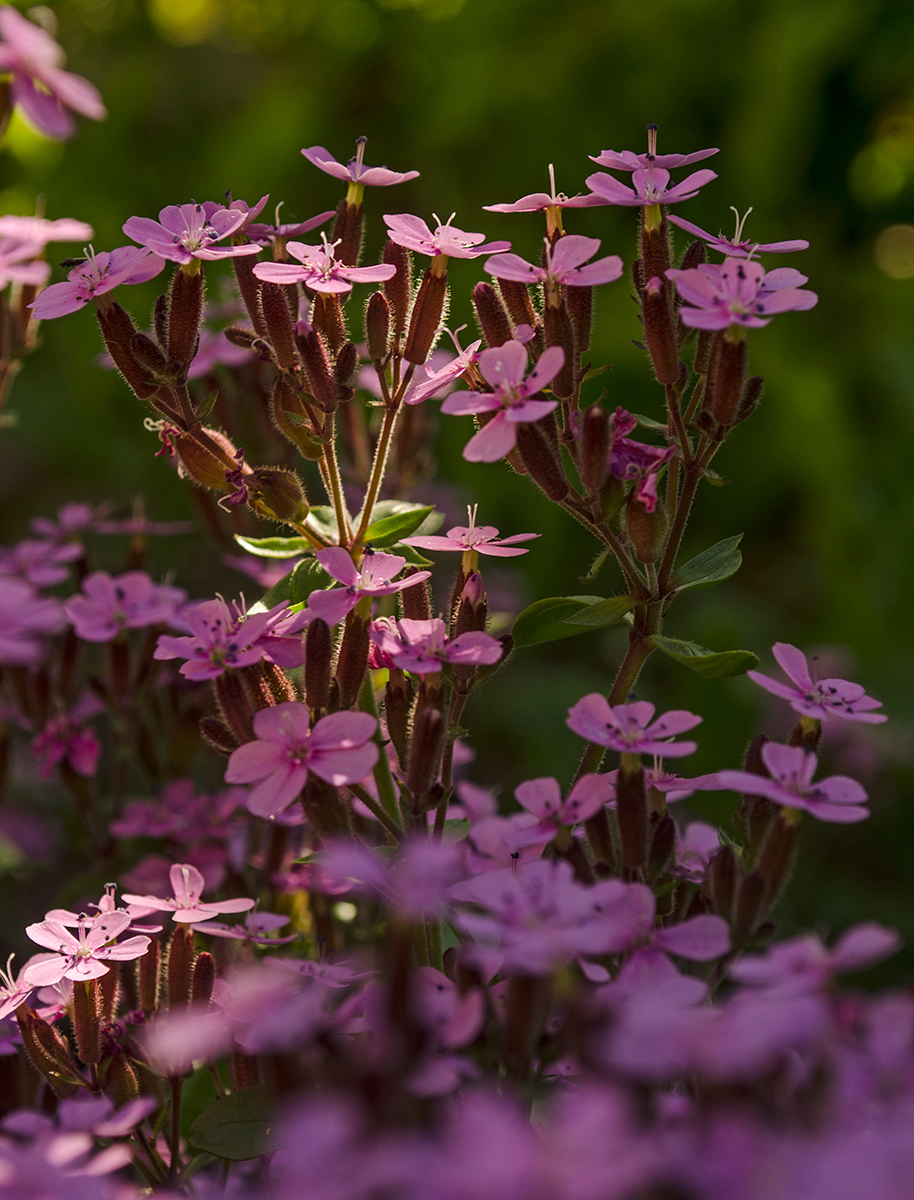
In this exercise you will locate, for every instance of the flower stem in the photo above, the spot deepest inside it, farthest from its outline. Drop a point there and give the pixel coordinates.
(387, 792)
(331, 473)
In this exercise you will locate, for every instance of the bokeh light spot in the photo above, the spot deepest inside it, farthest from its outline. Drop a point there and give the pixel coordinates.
(894, 251)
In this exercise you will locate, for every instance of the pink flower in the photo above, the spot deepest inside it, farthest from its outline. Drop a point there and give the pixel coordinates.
(539, 201)
(356, 171)
(837, 798)
(19, 263)
(111, 604)
(650, 185)
(738, 246)
(631, 460)
(338, 749)
(25, 620)
(737, 292)
(422, 647)
(266, 235)
(185, 232)
(187, 908)
(543, 798)
(38, 562)
(224, 637)
(41, 231)
(805, 965)
(320, 270)
(414, 882)
(628, 727)
(88, 955)
(564, 264)
(483, 539)
(16, 990)
(373, 577)
(100, 273)
(825, 698)
(512, 399)
(66, 738)
(626, 160)
(440, 377)
(413, 233)
(39, 87)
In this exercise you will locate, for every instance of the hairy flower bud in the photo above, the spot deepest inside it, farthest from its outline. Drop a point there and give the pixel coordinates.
(279, 329)
(318, 656)
(180, 967)
(693, 256)
(205, 457)
(118, 330)
(218, 736)
(517, 302)
(398, 288)
(344, 371)
(148, 355)
(558, 332)
(646, 530)
(472, 607)
(579, 302)
(249, 286)
(86, 1020)
(594, 448)
(377, 326)
(352, 661)
(750, 907)
(426, 744)
(203, 979)
(347, 230)
(119, 1080)
(752, 394)
(288, 415)
(148, 977)
(398, 700)
(654, 239)
(541, 459)
(493, 318)
(426, 317)
(48, 1052)
(723, 877)
(185, 315)
(632, 812)
(317, 366)
(235, 705)
(660, 330)
(415, 600)
(278, 493)
(703, 347)
(728, 373)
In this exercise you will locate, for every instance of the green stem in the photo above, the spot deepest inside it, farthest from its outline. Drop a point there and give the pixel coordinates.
(693, 474)
(332, 476)
(372, 805)
(384, 780)
(633, 579)
(458, 701)
(382, 449)
(175, 1145)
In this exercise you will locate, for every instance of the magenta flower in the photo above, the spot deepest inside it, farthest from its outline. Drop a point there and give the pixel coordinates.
(825, 698)
(564, 264)
(338, 749)
(736, 292)
(413, 233)
(738, 246)
(631, 460)
(373, 577)
(356, 171)
(41, 231)
(650, 185)
(543, 798)
(25, 620)
(39, 563)
(67, 738)
(15, 990)
(626, 160)
(100, 273)
(320, 270)
(111, 604)
(628, 727)
(224, 637)
(838, 798)
(512, 399)
(443, 376)
(19, 263)
(483, 539)
(423, 647)
(184, 232)
(415, 882)
(256, 929)
(87, 955)
(186, 906)
(805, 965)
(39, 87)
(540, 201)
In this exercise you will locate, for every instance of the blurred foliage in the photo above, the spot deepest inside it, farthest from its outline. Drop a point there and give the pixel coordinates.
(812, 105)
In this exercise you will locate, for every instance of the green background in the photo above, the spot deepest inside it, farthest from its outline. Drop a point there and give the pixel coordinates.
(812, 106)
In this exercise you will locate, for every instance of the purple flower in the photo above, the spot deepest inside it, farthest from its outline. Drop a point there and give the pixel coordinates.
(66, 738)
(837, 798)
(25, 620)
(19, 263)
(480, 539)
(184, 232)
(111, 604)
(564, 264)
(543, 798)
(39, 87)
(413, 233)
(803, 964)
(356, 172)
(88, 954)
(650, 185)
(256, 929)
(825, 698)
(737, 292)
(738, 246)
(16, 990)
(512, 399)
(413, 883)
(186, 907)
(38, 562)
(320, 270)
(628, 727)
(626, 160)
(373, 577)
(338, 749)
(543, 201)
(443, 376)
(629, 459)
(423, 647)
(41, 231)
(100, 273)
(224, 637)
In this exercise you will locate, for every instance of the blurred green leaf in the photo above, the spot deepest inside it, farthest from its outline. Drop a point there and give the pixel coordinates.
(607, 611)
(322, 519)
(389, 529)
(713, 565)
(544, 620)
(274, 547)
(236, 1127)
(711, 664)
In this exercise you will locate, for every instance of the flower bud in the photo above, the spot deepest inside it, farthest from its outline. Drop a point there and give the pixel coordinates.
(323, 808)
(415, 600)
(148, 355)
(86, 1020)
(541, 460)
(517, 302)
(703, 347)
(594, 448)
(278, 322)
(426, 744)
(218, 736)
(632, 813)
(348, 232)
(119, 1080)
(241, 337)
(693, 256)
(344, 372)
(779, 854)
(654, 244)
(180, 967)
(48, 1052)
(397, 289)
(750, 907)
(318, 657)
(118, 330)
(579, 303)
(148, 977)
(723, 877)
(752, 394)
(327, 319)
(728, 373)
(249, 286)
(243, 1071)
(352, 661)
(425, 319)
(108, 995)
(288, 415)
(397, 704)
(663, 846)
(203, 979)
(472, 607)
(205, 455)
(493, 319)
(317, 366)
(646, 530)
(558, 332)
(276, 492)
(235, 705)
(660, 330)
(377, 326)
(185, 315)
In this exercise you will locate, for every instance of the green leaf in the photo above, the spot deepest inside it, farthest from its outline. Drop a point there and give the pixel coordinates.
(713, 565)
(322, 519)
(544, 621)
(389, 529)
(605, 612)
(236, 1127)
(593, 372)
(709, 663)
(308, 577)
(595, 567)
(650, 423)
(275, 547)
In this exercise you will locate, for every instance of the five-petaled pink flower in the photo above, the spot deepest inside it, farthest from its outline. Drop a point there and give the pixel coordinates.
(650, 185)
(447, 240)
(463, 364)
(39, 87)
(223, 637)
(544, 201)
(738, 292)
(87, 955)
(543, 798)
(423, 647)
(373, 577)
(738, 246)
(356, 171)
(98, 274)
(629, 729)
(513, 398)
(110, 604)
(817, 699)
(564, 264)
(338, 749)
(184, 232)
(186, 907)
(26, 618)
(482, 539)
(320, 270)
(838, 798)
(627, 160)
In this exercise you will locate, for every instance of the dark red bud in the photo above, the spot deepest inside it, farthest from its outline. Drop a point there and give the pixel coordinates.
(288, 415)
(180, 968)
(646, 530)
(377, 326)
(118, 330)
(472, 608)
(723, 877)
(632, 813)
(318, 659)
(279, 329)
(416, 600)
(344, 372)
(353, 659)
(249, 286)
(655, 248)
(558, 332)
(660, 330)
(235, 705)
(493, 318)
(426, 744)
(398, 288)
(87, 1020)
(425, 319)
(517, 302)
(541, 460)
(594, 452)
(348, 232)
(728, 373)
(317, 365)
(148, 978)
(579, 303)
(398, 700)
(185, 315)
(218, 736)
(693, 256)
(203, 979)
(752, 394)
